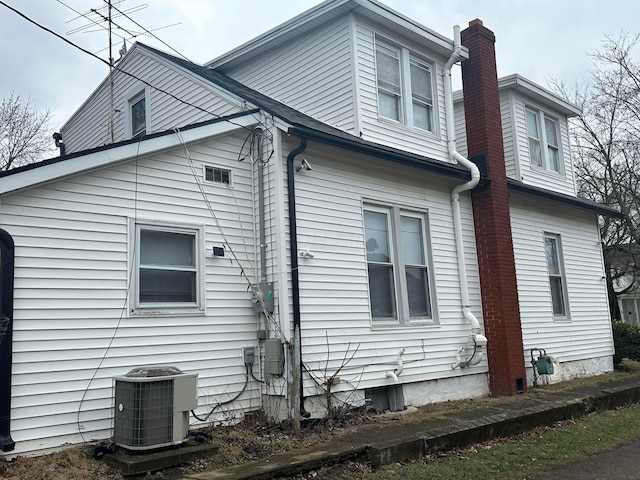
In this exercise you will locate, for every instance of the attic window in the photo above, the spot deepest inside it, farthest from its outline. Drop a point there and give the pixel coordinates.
(138, 114)
(544, 144)
(217, 175)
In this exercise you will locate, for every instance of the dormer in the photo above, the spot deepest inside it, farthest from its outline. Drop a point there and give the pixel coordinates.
(535, 134)
(356, 65)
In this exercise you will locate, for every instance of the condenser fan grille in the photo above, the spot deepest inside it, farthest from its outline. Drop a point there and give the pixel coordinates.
(144, 413)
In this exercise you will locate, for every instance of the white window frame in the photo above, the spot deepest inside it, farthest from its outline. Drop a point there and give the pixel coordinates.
(555, 277)
(406, 97)
(402, 311)
(205, 167)
(166, 308)
(545, 144)
(131, 98)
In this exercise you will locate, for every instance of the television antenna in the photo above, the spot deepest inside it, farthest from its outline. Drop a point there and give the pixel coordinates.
(118, 23)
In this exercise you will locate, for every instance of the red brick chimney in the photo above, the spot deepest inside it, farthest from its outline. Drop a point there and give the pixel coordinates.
(492, 223)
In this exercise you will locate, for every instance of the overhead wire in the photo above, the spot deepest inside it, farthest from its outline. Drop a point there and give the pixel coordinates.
(148, 32)
(226, 241)
(122, 310)
(124, 72)
(269, 317)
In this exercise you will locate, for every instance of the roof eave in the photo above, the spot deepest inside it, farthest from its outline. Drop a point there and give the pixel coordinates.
(563, 199)
(383, 152)
(325, 12)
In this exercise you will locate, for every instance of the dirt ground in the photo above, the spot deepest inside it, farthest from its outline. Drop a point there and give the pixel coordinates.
(254, 438)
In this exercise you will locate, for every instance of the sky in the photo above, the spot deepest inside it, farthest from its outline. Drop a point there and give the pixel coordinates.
(543, 40)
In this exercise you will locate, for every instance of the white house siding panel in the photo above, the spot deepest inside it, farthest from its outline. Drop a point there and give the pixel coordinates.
(508, 135)
(536, 176)
(587, 332)
(311, 74)
(335, 312)
(460, 128)
(89, 126)
(388, 132)
(71, 322)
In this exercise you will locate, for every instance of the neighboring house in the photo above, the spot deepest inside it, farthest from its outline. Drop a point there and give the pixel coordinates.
(623, 261)
(295, 217)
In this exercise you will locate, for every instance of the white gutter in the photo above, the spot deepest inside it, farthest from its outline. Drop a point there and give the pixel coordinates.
(476, 340)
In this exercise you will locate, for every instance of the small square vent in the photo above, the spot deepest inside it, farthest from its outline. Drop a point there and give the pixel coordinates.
(217, 175)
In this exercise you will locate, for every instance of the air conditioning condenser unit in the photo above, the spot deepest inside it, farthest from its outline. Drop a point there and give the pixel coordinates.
(152, 405)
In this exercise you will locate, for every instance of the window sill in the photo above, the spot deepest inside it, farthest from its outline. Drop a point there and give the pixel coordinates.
(544, 171)
(166, 312)
(395, 325)
(403, 126)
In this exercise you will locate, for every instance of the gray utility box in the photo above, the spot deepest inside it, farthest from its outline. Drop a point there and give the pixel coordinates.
(274, 357)
(152, 405)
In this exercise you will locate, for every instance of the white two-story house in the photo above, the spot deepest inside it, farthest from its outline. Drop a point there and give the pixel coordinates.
(295, 221)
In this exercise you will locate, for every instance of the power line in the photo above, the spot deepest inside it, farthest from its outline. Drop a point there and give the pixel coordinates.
(161, 90)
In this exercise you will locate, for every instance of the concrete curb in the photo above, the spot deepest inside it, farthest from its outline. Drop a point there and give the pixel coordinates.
(384, 444)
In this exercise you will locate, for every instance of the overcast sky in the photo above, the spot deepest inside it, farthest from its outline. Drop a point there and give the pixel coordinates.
(540, 39)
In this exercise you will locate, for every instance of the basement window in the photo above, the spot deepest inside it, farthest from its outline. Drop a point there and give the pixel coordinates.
(217, 175)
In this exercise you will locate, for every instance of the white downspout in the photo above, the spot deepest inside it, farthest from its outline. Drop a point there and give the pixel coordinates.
(476, 340)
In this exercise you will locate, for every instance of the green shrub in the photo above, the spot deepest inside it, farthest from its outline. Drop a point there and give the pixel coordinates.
(626, 341)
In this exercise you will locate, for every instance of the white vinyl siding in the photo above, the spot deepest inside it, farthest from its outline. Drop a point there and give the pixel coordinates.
(331, 224)
(312, 74)
(588, 334)
(72, 278)
(89, 126)
(401, 134)
(518, 144)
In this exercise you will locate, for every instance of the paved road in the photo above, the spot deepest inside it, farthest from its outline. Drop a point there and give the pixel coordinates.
(622, 463)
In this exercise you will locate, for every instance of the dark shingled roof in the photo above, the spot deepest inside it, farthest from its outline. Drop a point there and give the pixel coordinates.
(305, 126)
(568, 200)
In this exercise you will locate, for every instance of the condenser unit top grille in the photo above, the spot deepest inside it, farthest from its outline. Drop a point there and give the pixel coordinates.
(153, 371)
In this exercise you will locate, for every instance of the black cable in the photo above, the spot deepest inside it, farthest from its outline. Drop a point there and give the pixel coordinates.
(48, 30)
(475, 349)
(148, 32)
(226, 402)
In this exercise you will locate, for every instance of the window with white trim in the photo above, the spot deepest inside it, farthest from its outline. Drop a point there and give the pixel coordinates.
(555, 269)
(398, 264)
(544, 143)
(167, 267)
(405, 86)
(137, 111)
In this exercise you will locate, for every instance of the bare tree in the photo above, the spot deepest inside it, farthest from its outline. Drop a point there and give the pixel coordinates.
(606, 153)
(23, 132)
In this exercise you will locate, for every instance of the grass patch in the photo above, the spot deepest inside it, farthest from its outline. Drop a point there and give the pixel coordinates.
(529, 454)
